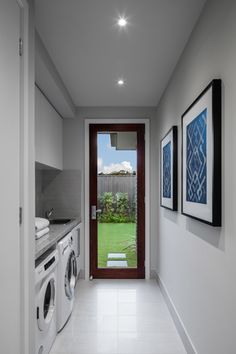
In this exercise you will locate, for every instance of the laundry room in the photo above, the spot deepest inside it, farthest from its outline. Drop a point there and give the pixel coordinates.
(117, 176)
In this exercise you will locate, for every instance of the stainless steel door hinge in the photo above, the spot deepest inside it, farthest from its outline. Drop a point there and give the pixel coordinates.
(20, 47)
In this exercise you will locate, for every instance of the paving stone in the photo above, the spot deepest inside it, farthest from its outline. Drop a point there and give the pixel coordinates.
(117, 264)
(117, 255)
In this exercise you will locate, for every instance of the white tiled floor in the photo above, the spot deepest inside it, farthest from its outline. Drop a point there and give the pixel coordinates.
(119, 317)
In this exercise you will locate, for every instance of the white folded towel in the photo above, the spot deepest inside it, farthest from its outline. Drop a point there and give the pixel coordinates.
(41, 223)
(41, 233)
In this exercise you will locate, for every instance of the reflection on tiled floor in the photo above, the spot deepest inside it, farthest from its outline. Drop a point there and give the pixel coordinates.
(119, 317)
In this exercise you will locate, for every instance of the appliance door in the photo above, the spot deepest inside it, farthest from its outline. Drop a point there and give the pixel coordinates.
(78, 266)
(70, 276)
(76, 241)
(46, 303)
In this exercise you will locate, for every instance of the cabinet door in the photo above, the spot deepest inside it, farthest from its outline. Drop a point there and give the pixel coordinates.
(48, 133)
(10, 263)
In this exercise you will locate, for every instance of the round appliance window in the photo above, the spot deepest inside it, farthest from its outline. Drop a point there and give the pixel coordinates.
(41, 350)
(47, 300)
(46, 304)
(70, 276)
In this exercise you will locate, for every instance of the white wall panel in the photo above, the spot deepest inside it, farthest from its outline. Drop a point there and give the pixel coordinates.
(197, 262)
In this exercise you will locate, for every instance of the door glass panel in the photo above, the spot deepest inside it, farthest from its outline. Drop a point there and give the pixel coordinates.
(47, 300)
(117, 200)
(70, 276)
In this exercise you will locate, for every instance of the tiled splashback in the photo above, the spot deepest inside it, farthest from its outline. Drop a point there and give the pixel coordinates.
(60, 190)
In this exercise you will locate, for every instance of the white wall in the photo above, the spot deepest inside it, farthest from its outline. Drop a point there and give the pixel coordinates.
(196, 262)
(73, 142)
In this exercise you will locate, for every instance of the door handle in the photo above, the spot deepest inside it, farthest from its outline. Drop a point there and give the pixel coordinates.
(94, 212)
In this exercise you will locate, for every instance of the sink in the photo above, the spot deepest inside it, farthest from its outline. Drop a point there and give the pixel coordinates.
(60, 221)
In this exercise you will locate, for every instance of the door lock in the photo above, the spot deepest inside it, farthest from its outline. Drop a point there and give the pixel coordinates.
(94, 212)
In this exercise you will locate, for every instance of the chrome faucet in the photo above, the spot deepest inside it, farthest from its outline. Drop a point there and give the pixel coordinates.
(48, 213)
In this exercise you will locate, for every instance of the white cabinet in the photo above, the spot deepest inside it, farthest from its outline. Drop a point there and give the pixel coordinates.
(48, 133)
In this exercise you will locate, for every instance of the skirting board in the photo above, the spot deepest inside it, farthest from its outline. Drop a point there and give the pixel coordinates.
(190, 349)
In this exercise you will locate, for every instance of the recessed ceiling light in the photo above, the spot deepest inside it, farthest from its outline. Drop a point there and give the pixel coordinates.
(122, 22)
(120, 82)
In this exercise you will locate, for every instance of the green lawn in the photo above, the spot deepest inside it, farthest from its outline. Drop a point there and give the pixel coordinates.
(114, 238)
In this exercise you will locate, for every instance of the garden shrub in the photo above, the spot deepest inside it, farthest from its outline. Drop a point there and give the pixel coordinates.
(122, 204)
(106, 203)
(115, 208)
(130, 244)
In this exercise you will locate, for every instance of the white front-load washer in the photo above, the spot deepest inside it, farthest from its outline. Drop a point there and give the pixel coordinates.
(45, 291)
(66, 280)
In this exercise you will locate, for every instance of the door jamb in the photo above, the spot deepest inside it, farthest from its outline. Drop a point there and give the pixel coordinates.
(27, 244)
(89, 121)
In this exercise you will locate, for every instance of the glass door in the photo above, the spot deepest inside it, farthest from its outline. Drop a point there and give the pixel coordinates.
(117, 209)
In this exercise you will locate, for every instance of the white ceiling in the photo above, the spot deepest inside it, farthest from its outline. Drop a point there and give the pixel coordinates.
(90, 52)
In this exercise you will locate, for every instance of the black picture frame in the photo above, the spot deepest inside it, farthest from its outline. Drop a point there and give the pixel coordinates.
(203, 204)
(170, 202)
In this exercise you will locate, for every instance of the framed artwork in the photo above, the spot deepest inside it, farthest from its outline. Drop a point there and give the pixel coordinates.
(201, 157)
(168, 170)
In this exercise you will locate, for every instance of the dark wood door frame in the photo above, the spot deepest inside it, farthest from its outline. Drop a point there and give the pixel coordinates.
(138, 272)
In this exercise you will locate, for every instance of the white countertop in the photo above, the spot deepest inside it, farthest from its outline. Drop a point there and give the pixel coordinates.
(56, 233)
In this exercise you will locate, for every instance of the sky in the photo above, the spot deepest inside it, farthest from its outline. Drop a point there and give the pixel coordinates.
(110, 160)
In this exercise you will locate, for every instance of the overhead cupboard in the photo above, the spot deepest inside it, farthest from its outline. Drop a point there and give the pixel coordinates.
(48, 132)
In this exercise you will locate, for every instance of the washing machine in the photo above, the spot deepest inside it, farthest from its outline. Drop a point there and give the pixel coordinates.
(66, 280)
(46, 297)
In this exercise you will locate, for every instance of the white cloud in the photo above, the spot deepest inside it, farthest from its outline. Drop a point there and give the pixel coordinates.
(116, 167)
(100, 163)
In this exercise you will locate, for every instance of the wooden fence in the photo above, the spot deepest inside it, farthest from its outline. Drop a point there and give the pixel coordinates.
(115, 184)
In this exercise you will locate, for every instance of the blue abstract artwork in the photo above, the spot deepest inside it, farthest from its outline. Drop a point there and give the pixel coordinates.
(167, 170)
(196, 163)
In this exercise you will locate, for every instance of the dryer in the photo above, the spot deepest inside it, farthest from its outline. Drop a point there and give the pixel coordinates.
(46, 297)
(76, 236)
(66, 280)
